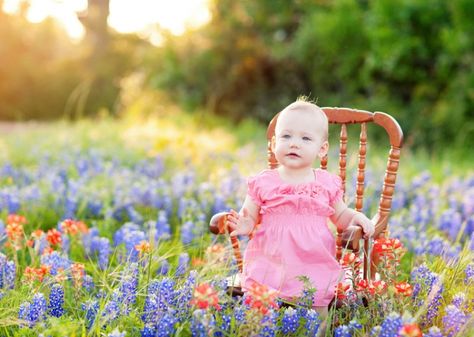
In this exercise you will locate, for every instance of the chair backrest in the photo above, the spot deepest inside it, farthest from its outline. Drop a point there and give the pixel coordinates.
(343, 117)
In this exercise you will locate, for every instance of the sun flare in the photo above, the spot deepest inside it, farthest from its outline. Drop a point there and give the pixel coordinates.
(139, 16)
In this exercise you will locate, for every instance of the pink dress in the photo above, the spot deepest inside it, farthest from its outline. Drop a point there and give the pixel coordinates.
(293, 238)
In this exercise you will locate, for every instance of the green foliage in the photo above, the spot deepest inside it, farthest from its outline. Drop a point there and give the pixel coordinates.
(409, 58)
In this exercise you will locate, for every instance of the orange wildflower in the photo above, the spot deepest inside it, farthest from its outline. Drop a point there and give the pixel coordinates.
(215, 249)
(204, 297)
(77, 272)
(197, 262)
(143, 247)
(15, 219)
(341, 290)
(54, 237)
(32, 274)
(403, 288)
(69, 226)
(261, 298)
(15, 234)
(410, 330)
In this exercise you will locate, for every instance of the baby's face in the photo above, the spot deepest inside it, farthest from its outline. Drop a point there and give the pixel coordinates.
(300, 137)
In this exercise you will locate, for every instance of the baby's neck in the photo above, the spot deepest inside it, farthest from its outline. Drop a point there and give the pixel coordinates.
(296, 176)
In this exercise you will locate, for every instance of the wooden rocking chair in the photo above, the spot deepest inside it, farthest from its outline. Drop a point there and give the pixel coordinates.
(351, 237)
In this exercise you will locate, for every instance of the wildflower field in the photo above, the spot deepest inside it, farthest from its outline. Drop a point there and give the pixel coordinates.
(104, 232)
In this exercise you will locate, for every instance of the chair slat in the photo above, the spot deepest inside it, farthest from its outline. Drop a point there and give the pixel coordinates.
(361, 168)
(343, 156)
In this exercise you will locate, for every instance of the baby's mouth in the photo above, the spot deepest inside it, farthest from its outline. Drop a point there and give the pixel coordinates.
(293, 155)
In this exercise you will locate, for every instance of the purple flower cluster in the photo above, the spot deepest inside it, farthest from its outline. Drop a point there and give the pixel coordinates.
(453, 320)
(7, 273)
(290, 321)
(35, 311)
(130, 235)
(56, 301)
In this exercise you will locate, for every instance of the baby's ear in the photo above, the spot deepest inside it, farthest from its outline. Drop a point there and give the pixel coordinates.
(272, 143)
(323, 150)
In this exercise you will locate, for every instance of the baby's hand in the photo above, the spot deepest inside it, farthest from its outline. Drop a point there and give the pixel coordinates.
(365, 223)
(240, 224)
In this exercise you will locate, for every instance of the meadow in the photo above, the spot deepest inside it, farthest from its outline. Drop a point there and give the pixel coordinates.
(104, 232)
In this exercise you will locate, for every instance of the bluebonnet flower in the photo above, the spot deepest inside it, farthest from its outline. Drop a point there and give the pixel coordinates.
(434, 331)
(436, 246)
(219, 204)
(148, 331)
(239, 314)
(202, 323)
(423, 279)
(453, 320)
(469, 274)
(391, 325)
(91, 307)
(182, 182)
(2, 230)
(269, 327)
(450, 222)
(458, 300)
(471, 242)
(128, 288)
(133, 215)
(187, 232)
(37, 309)
(56, 301)
(183, 264)
(56, 261)
(223, 329)
(88, 283)
(88, 241)
(94, 206)
(3, 261)
(129, 234)
(163, 228)
(312, 323)
(354, 325)
(112, 308)
(102, 246)
(290, 321)
(116, 333)
(24, 310)
(343, 331)
(166, 325)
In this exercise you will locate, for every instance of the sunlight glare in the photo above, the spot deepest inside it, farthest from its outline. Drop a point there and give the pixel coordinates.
(139, 16)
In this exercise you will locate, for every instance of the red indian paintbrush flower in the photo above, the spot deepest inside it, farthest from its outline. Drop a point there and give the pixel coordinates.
(73, 227)
(205, 296)
(143, 247)
(410, 330)
(15, 231)
(54, 237)
(261, 298)
(16, 219)
(403, 288)
(341, 290)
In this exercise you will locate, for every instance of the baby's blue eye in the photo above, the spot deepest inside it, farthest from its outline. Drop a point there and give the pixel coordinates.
(306, 139)
(285, 136)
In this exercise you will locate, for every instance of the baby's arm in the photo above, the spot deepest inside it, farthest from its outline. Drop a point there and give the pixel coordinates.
(243, 222)
(343, 217)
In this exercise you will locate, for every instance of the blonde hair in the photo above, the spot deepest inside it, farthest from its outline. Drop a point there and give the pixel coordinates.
(303, 105)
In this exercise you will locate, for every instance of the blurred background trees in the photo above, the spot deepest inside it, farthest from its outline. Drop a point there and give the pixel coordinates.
(411, 58)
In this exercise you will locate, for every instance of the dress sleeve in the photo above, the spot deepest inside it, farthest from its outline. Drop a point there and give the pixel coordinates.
(253, 190)
(336, 192)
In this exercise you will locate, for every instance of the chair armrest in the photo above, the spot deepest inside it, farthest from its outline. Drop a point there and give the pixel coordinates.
(217, 224)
